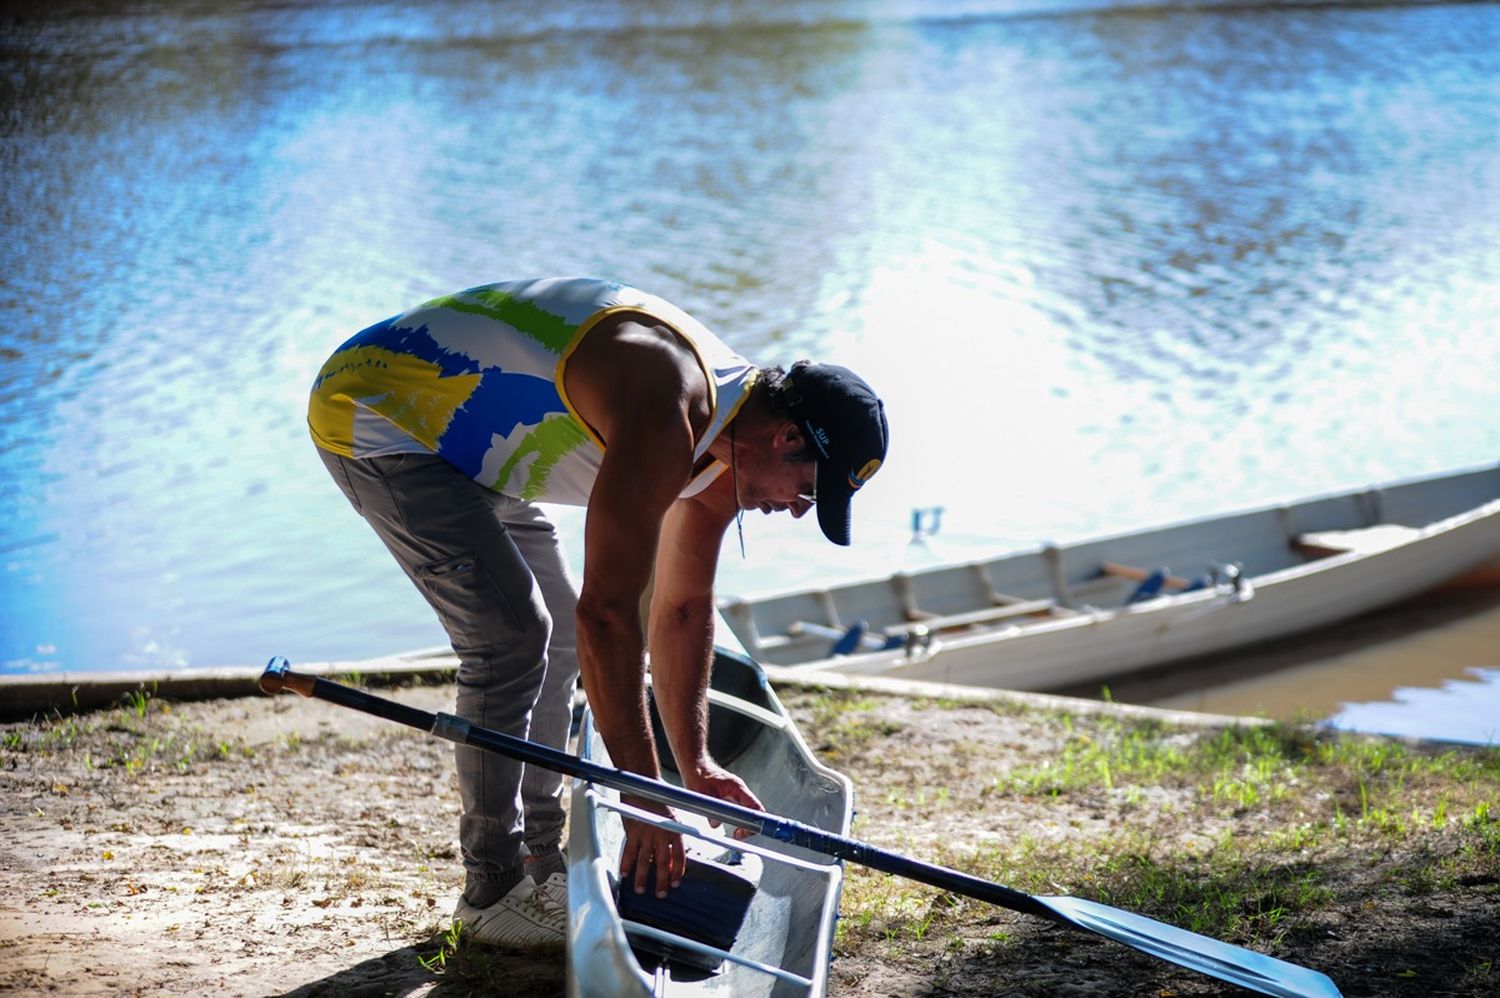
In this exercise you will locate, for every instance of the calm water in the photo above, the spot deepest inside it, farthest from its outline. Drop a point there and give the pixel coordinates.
(1108, 268)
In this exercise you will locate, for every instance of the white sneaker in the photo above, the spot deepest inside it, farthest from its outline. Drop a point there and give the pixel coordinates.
(555, 891)
(525, 918)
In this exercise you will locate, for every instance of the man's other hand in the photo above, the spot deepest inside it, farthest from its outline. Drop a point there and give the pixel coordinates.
(717, 782)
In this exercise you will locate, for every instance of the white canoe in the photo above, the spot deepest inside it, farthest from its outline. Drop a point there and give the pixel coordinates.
(1063, 614)
(785, 941)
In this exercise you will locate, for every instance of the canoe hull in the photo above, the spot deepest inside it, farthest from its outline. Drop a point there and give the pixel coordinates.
(1306, 565)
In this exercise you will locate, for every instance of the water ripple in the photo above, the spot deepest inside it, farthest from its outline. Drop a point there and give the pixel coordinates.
(1174, 254)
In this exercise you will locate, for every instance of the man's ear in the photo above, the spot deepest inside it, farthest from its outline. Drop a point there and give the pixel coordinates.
(789, 437)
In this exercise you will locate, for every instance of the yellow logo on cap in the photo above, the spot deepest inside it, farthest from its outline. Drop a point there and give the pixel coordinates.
(864, 474)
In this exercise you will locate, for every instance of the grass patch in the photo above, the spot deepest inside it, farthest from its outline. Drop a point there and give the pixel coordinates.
(1283, 838)
(1374, 784)
(844, 725)
(1226, 896)
(139, 736)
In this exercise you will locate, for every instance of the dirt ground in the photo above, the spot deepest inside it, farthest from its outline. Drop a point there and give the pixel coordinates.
(265, 846)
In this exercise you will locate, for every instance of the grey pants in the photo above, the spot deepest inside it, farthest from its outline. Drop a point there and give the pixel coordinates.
(492, 568)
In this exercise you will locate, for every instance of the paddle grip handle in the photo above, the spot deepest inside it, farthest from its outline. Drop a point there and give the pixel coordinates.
(279, 677)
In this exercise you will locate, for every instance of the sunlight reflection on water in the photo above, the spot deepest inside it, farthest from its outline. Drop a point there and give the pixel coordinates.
(1107, 270)
(1466, 707)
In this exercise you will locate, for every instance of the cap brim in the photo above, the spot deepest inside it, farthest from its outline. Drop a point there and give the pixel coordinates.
(834, 497)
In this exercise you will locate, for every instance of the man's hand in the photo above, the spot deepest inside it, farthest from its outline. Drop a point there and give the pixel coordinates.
(649, 848)
(717, 782)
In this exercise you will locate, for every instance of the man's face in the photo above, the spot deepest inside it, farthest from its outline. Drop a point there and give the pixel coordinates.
(769, 481)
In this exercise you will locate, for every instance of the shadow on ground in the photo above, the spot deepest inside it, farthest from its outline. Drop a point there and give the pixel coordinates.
(475, 970)
(1443, 946)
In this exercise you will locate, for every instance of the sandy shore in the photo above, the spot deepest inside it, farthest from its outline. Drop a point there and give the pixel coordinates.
(247, 846)
(259, 846)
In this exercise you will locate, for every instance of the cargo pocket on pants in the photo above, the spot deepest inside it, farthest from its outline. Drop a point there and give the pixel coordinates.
(473, 609)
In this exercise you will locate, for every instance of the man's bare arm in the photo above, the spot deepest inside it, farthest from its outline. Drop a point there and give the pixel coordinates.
(681, 635)
(681, 621)
(646, 419)
(641, 389)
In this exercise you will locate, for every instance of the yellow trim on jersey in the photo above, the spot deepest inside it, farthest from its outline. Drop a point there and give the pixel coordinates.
(587, 325)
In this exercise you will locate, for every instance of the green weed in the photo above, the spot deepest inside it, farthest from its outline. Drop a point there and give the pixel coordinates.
(136, 702)
(448, 946)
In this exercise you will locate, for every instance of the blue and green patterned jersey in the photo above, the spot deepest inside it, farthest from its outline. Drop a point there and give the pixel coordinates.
(477, 378)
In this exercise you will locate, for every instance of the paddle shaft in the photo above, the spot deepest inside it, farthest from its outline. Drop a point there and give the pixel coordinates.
(278, 677)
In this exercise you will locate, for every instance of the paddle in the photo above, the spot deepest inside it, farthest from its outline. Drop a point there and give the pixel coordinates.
(1246, 968)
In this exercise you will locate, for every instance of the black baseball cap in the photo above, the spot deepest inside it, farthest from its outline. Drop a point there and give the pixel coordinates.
(845, 426)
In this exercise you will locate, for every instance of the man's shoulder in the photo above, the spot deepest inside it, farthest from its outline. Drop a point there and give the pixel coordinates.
(634, 352)
(634, 371)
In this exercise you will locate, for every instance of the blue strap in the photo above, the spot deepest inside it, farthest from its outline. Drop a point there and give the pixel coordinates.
(849, 643)
(1150, 587)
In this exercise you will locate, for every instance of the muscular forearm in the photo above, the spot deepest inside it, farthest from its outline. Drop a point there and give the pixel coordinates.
(611, 661)
(681, 658)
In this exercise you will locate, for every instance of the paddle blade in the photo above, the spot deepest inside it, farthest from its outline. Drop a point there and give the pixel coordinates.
(1244, 967)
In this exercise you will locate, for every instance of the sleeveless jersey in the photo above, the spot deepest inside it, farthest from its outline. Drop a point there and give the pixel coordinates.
(477, 379)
